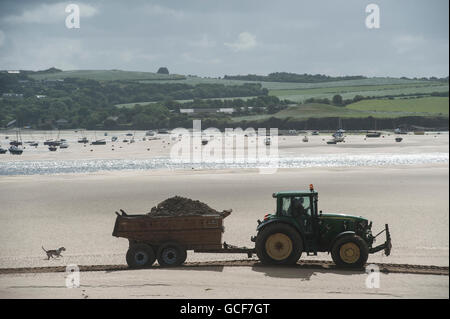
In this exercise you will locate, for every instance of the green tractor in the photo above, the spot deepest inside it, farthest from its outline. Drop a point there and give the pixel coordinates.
(298, 226)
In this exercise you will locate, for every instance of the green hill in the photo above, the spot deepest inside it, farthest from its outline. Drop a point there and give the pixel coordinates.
(379, 108)
(106, 75)
(411, 106)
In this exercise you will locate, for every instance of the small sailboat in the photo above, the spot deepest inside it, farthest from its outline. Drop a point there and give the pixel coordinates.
(15, 150)
(163, 131)
(99, 142)
(83, 139)
(338, 136)
(18, 140)
(373, 134)
(399, 130)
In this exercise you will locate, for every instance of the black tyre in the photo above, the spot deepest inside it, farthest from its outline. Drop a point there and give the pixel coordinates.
(171, 255)
(350, 252)
(279, 244)
(140, 256)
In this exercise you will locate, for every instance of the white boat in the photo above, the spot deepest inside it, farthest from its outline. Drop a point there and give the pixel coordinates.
(15, 150)
(338, 136)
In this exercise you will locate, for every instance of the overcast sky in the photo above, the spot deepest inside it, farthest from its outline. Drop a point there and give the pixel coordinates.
(213, 38)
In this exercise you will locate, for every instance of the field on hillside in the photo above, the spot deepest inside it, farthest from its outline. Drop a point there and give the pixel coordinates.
(380, 108)
(299, 92)
(434, 105)
(128, 105)
(309, 110)
(349, 92)
(106, 75)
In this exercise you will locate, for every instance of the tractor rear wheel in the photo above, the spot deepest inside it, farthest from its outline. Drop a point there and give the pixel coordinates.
(171, 255)
(350, 251)
(140, 256)
(279, 244)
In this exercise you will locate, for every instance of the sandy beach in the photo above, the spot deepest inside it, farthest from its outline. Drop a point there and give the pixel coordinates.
(77, 211)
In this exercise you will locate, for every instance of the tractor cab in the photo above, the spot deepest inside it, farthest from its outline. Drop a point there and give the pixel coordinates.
(300, 207)
(298, 226)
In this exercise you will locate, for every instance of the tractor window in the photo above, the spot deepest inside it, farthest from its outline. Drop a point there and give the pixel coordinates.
(296, 206)
(307, 205)
(286, 205)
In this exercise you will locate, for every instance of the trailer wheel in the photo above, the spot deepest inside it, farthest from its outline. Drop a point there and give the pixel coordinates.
(350, 251)
(171, 255)
(279, 244)
(140, 256)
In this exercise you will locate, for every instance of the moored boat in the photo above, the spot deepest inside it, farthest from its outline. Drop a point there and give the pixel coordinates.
(15, 150)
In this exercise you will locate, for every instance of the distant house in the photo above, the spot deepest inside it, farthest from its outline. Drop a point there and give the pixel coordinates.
(228, 110)
(41, 96)
(61, 122)
(13, 95)
(112, 118)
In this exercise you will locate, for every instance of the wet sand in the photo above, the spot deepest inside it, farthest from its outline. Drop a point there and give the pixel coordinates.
(77, 211)
(224, 282)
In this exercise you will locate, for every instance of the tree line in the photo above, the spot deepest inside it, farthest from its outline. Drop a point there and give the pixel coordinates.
(89, 103)
(293, 77)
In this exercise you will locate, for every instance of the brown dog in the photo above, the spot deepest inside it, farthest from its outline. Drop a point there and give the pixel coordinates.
(54, 252)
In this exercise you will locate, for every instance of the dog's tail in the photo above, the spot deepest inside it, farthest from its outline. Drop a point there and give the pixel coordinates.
(44, 248)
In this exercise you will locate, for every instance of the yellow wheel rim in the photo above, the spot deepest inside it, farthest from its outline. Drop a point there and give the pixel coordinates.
(278, 246)
(349, 253)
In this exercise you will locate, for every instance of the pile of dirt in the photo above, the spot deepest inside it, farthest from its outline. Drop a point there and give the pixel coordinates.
(181, 206)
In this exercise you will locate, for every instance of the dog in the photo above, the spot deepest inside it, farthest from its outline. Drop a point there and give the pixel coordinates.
(54, 252)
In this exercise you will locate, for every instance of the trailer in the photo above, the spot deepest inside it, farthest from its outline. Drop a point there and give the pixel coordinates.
(168, 238)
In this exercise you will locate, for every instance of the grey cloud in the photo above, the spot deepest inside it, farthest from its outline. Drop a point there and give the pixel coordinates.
(214, 38)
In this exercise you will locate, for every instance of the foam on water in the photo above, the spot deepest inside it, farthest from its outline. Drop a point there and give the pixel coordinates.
(20, 167)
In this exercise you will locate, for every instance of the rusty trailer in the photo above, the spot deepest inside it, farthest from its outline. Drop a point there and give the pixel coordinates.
(168, 238)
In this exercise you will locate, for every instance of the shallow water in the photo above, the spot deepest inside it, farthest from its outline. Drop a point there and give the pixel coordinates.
(33, 167)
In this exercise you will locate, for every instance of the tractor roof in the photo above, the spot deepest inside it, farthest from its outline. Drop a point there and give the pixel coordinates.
(294, 193)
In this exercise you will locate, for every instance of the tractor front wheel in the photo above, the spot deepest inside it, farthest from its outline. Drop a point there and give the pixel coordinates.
(279, 244)
(350, 251)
